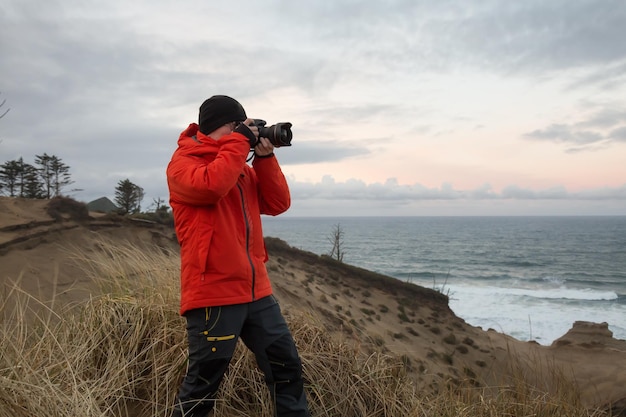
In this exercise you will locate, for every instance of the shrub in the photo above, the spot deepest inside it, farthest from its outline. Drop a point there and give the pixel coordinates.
(60, 208)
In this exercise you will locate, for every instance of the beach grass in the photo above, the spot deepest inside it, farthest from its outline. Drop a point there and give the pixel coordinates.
(122, 353)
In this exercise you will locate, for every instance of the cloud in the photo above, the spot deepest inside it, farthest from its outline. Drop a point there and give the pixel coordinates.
(519, 193)
(391, 190)
(564, 133)
(107, 86)
(600, 129)
(605, 118)
(619, 134)
(604, 193)
(321, 151)
(502, 36)
(608, 77)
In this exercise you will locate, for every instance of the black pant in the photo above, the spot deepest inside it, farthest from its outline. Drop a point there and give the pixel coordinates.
(213, 333)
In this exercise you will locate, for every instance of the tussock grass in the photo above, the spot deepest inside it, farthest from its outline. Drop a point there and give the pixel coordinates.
(122, 353)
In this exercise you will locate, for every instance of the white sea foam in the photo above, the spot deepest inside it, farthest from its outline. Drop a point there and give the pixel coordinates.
(541, 315)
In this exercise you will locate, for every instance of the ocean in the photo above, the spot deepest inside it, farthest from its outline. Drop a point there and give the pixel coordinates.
(528, 277)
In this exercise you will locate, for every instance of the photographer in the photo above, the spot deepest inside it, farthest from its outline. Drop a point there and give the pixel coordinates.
(217, 200)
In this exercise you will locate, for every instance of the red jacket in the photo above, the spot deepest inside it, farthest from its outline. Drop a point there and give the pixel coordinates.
(217, 200)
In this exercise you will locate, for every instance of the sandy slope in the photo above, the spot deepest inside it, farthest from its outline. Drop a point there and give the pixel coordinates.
(358, 306)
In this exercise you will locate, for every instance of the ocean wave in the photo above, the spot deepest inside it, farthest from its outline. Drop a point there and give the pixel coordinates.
(571, 294)
(519, 264)
(553, 294)
(404, 276)
(507, 280)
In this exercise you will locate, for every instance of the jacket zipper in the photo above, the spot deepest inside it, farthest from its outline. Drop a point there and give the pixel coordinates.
(245, 219)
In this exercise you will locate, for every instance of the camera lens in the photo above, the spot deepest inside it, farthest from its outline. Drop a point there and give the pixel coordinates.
(279, 134)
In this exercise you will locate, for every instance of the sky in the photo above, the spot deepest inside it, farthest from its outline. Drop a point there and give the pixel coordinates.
(399, 108)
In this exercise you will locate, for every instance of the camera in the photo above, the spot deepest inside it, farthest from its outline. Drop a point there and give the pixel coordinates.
(279, 134)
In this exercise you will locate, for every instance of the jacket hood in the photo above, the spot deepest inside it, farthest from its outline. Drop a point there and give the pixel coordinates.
(192, 141)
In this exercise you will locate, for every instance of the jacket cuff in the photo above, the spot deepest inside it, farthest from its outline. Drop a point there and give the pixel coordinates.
(270, 155)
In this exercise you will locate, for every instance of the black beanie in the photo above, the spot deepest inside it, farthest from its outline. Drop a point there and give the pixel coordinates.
(219, 110)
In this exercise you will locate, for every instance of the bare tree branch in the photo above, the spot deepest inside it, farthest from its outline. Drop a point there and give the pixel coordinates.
(2, 104)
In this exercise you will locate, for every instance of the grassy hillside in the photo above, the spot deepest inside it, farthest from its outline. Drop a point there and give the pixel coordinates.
(90, 327)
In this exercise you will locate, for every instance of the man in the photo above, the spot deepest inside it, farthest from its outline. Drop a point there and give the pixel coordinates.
(217, 200)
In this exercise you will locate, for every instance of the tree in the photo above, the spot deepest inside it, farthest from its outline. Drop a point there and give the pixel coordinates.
(336, 238)
(161, 209)
(161, 212)
(28, 181)
(60, 175)
(30, 187)
(20, 179)
(9, 176)
(159, 205)
(46, 180)
(45, 176)
(128, 197)
(54, 174)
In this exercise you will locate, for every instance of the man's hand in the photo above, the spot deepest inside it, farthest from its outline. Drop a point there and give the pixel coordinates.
(264, 148)
(249, 130)
(250, 123)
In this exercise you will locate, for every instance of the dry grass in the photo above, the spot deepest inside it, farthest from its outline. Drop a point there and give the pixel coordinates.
(123, 354)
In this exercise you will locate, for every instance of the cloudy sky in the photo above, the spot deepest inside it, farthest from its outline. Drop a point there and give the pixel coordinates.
(408, 107)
